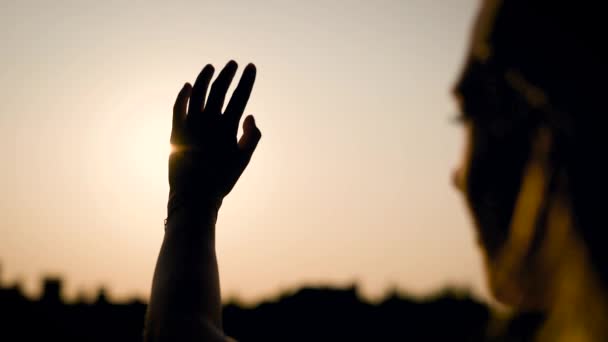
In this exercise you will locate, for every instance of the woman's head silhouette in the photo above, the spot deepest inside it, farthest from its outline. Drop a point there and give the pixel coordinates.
(530, 93)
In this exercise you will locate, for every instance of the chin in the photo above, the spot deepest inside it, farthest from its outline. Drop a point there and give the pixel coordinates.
(517, 291)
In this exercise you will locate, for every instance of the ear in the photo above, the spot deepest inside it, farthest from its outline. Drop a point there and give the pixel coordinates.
(509, 273)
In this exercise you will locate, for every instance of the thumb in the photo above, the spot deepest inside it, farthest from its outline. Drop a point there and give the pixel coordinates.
(251, 137)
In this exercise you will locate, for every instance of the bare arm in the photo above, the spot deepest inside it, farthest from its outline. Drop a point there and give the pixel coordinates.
(206, 163)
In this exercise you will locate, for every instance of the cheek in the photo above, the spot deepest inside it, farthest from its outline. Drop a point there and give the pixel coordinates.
(492, 183)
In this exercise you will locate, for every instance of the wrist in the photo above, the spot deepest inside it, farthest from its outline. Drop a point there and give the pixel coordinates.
(183, 200)
(186, 213)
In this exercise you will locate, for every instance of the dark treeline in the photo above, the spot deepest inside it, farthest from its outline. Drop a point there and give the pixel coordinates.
(309, 314)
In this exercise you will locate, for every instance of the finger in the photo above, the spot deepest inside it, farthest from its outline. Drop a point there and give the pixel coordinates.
(250, 139)
(179, 112)
(219, 89)
(239, 99)
(199, 90)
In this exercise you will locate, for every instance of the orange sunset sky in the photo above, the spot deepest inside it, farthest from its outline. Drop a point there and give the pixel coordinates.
(350, 183)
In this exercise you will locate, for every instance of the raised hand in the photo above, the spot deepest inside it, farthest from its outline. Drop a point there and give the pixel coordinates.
(207, 160)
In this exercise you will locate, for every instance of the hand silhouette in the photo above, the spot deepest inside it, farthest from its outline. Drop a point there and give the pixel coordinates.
(206, 159)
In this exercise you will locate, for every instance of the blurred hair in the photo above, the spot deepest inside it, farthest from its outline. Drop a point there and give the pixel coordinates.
(552, 54)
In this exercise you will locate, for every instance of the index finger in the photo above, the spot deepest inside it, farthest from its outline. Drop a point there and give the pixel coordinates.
(179, 113)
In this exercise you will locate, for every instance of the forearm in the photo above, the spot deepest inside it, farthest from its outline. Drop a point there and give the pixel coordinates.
(204, 166)
(185, 288)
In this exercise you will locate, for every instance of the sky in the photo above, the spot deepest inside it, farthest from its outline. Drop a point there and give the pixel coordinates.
(350, 183)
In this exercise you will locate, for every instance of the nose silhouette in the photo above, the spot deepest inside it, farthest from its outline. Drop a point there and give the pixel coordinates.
(458, 179)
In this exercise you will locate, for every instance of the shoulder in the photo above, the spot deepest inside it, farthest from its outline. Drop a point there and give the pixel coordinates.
(186, 329)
